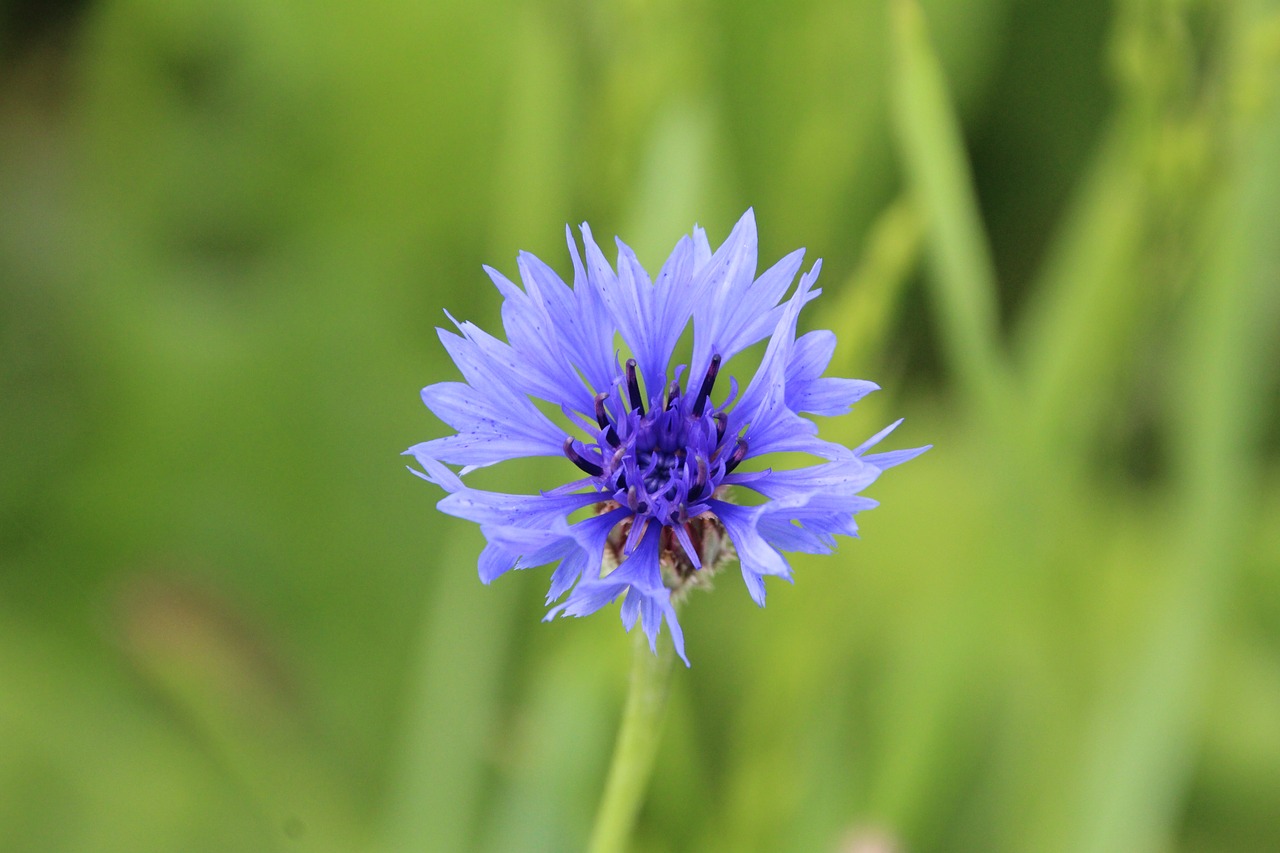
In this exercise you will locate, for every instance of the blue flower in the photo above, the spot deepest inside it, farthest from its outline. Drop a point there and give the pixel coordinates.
(658, 448)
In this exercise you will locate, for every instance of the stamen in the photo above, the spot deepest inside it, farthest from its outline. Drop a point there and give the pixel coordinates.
(633, 387)
(700, 480)
(708, 381)
(722, 423)
(739, 453)
(602, 418)
(577, 459)
(673, 393)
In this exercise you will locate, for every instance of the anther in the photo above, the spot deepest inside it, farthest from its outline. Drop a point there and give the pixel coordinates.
(739, 453)
(633, 387)
(722, 423)
(577, 459)
(700, 480)
(708, 382)
(602, 418)
(673, 393)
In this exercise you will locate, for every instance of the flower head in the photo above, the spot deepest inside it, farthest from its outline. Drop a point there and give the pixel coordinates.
(657, 448)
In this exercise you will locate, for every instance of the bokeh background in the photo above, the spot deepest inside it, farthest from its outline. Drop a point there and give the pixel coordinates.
(231, 621)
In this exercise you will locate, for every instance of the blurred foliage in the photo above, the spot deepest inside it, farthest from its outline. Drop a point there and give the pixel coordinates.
(229, 620)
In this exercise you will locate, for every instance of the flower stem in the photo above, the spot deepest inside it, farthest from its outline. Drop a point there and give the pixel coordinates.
(637, 743)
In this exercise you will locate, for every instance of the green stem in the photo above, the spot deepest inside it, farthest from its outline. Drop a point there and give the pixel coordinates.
(637, 742)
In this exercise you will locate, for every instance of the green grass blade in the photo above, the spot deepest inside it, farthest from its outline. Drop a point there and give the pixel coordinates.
(435, 798)
(1086, 298)
(1138, 762)
(932, 151)
(865, 306)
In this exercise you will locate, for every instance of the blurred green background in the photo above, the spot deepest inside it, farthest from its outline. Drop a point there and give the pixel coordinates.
(231, 621)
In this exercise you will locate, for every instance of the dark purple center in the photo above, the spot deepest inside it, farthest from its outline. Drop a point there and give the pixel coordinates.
(664, 463)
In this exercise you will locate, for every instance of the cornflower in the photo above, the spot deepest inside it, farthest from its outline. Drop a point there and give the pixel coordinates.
(658, 448)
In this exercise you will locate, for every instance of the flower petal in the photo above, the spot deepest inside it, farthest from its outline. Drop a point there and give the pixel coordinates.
(807, 391)
(666, 307)
(639, 577)
(892, 457)
(752, 315)
(500, 508)
(494, 423)
(756, 556)
(832, 479)
(762, 410)
(721, 281)
(477, 450)
(533, 333)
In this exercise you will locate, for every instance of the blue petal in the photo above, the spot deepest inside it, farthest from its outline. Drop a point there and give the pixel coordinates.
(810, 356)
(577, 548)
(763, 409)
(809, 505)
(783, 431)
(494, 422)
(806, 391)
(665, 307)
(894, 457)
(495, 561)
(435, 472)
(639, 577)
(877, 438)
(723, 279)
(630, 609)
(500, 508)
(591, 535)
(533, 333)
(570, 569)
(592, 326)
(829, 397)
(560, 303)
(640, 569)
(751, 316)
(785, 536)
(525, 374)
(624, 292)
(756, 556)
(701, 249)
(833, 479)
(476, 450)
(811, 525)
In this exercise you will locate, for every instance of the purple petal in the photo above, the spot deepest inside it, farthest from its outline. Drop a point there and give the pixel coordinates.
(755, 555)
(894, 457)
(806, 391)
(764, 400)
(722, 280)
